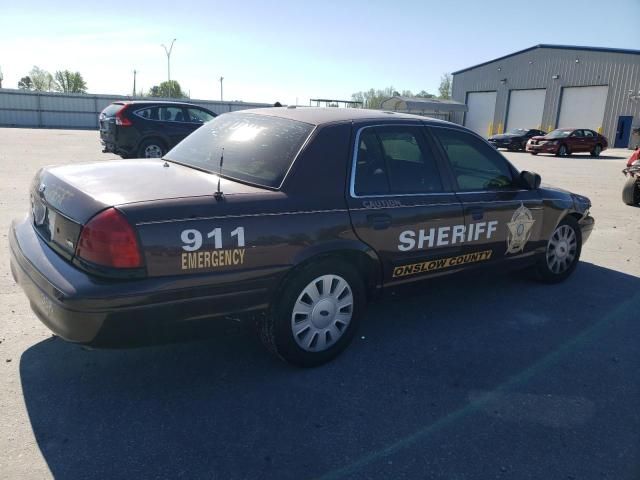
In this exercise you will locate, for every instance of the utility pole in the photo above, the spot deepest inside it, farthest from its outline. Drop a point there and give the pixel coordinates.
(134, 82)
(168, 52)
(221, 79)
(1, 78)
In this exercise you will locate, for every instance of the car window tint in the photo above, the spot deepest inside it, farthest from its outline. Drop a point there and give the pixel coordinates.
(198, 116)
(475, 165)
(371, 173)
(588, 133)
(171, 114)
(148, 113)
(257, 148)
(411, 167)
(577, 133)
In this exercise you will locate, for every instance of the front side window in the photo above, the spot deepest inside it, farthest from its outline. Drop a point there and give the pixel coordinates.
(394, 160)
(258, 149)
(577, 133)
(475, 165)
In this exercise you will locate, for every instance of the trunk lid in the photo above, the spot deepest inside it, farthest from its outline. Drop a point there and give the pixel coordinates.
(64, 198)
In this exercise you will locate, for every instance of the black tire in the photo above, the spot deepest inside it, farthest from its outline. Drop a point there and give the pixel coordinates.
(544, 271)
(563, 151)
(533, 153)
(276, 328)
(523, 145)
(152, 145)
(631, 192)
(596, 150)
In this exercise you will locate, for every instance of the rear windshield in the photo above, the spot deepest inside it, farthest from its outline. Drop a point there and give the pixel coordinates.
(112, 109)
(257, 149)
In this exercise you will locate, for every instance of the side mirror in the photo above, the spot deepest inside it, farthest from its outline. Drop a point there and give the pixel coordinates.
(530, 180)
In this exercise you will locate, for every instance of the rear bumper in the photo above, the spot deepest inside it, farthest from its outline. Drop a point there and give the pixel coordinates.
(116, 313)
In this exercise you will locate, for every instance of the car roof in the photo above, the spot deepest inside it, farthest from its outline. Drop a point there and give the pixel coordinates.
(324, 115)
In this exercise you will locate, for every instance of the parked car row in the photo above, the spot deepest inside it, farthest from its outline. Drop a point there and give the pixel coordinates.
(561, 142)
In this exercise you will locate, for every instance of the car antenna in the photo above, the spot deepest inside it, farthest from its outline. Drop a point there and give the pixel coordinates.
(219, 195)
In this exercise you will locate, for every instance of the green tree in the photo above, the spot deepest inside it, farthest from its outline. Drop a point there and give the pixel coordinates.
(42, 80)
(373, 98)
(445, 86)
(170, 89)
(70, 82)
(424, 94)
(25, 83)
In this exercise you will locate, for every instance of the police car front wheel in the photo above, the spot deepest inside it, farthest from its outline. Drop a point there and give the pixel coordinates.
(562, 253)
(316, 314)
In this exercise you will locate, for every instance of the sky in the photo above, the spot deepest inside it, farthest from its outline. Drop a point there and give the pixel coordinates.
(292, 50)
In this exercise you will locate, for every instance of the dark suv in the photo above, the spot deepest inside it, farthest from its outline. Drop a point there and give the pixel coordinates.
(148, 129)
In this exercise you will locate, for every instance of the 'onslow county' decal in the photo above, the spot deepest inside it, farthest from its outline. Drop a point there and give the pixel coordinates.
(441, 263)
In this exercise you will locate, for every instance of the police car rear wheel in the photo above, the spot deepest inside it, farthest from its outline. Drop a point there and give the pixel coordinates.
(562, 253)
(316, 314)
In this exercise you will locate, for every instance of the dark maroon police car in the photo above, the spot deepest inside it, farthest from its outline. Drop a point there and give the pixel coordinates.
(291, 217)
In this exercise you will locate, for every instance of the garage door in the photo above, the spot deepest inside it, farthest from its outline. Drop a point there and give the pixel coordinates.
(481, 106)
(582, 107)
(525, 109)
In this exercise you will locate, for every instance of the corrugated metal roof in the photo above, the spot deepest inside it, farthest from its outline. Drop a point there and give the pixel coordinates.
(414, 104)
(557, 47)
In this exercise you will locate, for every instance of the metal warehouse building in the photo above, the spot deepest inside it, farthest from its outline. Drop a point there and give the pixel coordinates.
(554, 86)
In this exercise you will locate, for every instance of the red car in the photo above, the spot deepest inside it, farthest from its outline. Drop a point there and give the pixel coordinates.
(565, 141)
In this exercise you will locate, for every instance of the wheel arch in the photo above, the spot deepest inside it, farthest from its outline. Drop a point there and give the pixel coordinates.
(152, 136)
(359, 255)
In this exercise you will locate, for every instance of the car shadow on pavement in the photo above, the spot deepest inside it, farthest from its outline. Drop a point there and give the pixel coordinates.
(400, 401)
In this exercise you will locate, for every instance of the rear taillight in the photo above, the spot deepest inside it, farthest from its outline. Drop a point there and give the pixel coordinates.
(110, 241)
(121, 119)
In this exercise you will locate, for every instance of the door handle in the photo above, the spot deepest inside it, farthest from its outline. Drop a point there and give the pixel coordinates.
(379, 221)
(477, 213)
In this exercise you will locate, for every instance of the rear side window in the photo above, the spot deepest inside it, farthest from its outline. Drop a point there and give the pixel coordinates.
(475, 165)
(165, 114)
(148, 113)
(112, 109)
(258, 149)
(588, 133)
(171, 114)
(394, 160)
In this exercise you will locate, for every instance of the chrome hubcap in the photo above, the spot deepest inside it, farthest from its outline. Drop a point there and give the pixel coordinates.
(562, 249)
(153, 151)
(322, 313)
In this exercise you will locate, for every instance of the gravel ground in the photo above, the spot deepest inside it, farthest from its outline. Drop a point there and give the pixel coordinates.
(489, 377)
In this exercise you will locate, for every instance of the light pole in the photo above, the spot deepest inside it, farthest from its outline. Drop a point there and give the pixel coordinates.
(221, 79)
(134, 82)
(168, 52)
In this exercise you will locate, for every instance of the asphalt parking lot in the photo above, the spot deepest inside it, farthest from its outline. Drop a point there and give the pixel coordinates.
(475, 377)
